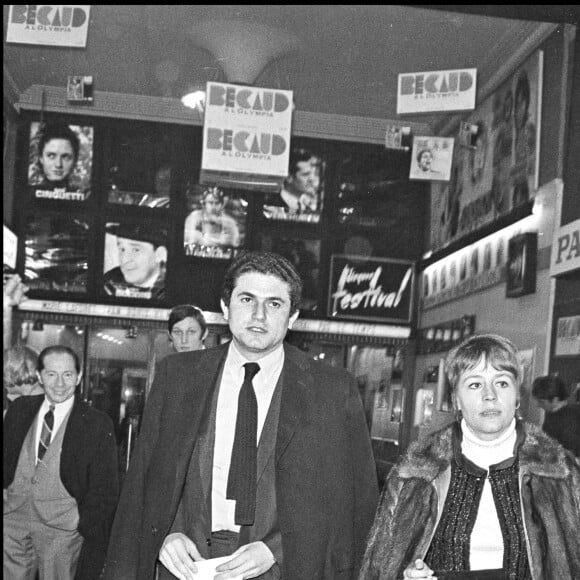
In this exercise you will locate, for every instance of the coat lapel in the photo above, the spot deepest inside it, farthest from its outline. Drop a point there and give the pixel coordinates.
(296, 401)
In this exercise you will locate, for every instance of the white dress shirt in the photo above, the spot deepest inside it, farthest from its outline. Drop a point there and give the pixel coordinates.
(223, 510)
(61, 410)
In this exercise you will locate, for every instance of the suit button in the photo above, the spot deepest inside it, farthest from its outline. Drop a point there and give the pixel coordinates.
(154, 530)
(208, 541)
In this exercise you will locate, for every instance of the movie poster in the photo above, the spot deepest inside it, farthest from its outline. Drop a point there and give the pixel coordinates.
(301, 197)
(135, 259)
(215, 226)
(305, 256)
(500, 172)
(431, 158)
(57, 254)
(60, 161)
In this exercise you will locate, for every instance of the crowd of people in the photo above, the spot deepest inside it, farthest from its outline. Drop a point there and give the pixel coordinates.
(256, 455)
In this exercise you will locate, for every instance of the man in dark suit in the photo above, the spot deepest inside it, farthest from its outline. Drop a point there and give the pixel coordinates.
(306, 511)
(60, 478)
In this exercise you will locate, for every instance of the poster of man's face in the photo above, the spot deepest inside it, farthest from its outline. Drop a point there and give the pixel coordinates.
(57, 253)
(302, 194)
(216, 224)
(304, 254)
(135, 260)
(60, 161)
(431, 158)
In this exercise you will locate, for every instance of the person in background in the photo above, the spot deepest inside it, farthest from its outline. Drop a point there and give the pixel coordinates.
(20, 378)
(298, 502)
(562, 419)
(60, 478)
(58, 153)
(485, 497)
(142, 257)
(187, 328)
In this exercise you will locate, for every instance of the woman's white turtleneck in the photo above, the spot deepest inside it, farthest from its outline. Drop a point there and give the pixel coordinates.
(486, 545)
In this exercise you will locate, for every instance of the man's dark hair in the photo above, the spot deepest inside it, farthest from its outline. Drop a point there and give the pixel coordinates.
(549, 387)
(183, 311)
(297, 156)
(58, 349)
(52, 131)
(263, 263)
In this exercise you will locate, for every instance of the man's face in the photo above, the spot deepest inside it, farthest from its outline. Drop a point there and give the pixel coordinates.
(138, 261)
(213, 205)
(259, 314)
(425, 160)
(57, 159)
(59, 377)
(307, 177)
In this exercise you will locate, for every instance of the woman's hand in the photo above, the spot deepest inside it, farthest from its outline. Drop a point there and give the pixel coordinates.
(418, 569)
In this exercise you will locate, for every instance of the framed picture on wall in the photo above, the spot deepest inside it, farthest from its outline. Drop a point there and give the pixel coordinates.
(135, 259)
(521, 265)
(57, 253)
(215, 226)
(60, 161)
(301, 198)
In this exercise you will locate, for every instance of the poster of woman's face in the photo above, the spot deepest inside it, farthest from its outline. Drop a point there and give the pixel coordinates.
(60, 161)
(431, 158)
(302, 194)
(215, 226)
(57, 253)
(305, 256)
(135, 260)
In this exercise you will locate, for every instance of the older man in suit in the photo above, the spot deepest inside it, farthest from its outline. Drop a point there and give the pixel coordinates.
(302, 508)
(60, 478)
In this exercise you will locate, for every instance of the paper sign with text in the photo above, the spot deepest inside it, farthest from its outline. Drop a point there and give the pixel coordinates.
(49, 24)
(439, 90)
(246, 135)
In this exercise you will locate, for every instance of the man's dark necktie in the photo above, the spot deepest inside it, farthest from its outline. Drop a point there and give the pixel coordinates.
(46, 433)
(243, 467)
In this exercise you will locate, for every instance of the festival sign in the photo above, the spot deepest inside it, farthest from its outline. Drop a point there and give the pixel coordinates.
(246, 137)
(50, 25)
(370, 289)
(440, 90)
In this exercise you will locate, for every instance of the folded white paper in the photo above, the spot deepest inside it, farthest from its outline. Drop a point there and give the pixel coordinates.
(206, 568)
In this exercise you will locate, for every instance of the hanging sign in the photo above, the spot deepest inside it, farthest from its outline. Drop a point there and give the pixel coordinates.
(51, 25)
(566, 249)
(568, 336)
(370, 289)
(246, 137)
(440, 90)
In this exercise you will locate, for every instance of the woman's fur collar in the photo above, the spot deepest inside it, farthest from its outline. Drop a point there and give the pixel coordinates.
(538, 454)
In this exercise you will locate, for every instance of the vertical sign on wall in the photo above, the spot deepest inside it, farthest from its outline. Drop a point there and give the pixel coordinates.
(246, 137)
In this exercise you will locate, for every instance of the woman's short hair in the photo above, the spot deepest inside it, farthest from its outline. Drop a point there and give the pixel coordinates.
(183, 311)
(20, 366)
(496, 350)
(52, 131)
(549, 387)
(264, 263)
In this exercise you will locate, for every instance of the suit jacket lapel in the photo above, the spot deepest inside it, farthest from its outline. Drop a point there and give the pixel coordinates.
(295, 405)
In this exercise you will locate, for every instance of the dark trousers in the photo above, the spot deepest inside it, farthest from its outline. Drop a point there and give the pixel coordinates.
(223, 543)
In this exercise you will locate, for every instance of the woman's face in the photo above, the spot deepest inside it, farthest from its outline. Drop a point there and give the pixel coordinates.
(487, 398)
(57, 159)
(187, 335)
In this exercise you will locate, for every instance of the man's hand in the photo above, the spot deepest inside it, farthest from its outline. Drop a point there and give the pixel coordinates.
(178, 554)
(14, 291)
(249, 561)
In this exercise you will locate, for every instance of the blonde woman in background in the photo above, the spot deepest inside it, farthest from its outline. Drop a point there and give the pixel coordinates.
(20, 378)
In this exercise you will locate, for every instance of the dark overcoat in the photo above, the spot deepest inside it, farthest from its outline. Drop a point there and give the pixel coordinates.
(88, 471)
(325, 478)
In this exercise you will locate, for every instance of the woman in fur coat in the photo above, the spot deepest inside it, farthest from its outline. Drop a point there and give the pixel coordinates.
(487, 497)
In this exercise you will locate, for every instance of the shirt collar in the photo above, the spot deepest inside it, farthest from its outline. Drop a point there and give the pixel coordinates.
(267, 363)
(59, 408)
